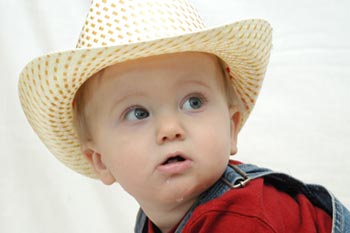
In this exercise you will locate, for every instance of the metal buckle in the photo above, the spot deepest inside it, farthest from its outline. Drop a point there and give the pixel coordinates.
(240, 183)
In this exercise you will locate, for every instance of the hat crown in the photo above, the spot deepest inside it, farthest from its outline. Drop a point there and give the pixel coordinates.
(117, 22)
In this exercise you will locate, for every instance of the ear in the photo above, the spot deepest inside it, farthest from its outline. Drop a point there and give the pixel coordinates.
(235, 118)
(95, 159)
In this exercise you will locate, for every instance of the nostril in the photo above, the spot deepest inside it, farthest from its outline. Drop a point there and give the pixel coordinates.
(172, 137)
(168, 133)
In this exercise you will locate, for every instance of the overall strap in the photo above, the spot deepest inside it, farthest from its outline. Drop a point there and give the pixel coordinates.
(316, 194)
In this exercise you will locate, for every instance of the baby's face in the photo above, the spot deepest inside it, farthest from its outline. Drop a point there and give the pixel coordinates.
(161, 126)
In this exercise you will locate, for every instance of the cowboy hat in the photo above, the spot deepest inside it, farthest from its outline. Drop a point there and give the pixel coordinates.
(117, 31)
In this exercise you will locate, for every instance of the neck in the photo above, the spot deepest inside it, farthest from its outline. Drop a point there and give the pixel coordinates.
(165, 217)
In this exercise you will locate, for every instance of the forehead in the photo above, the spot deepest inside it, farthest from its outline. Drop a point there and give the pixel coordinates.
(168, 66)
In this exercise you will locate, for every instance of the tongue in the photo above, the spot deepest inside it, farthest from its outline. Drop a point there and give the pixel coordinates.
(174, 160)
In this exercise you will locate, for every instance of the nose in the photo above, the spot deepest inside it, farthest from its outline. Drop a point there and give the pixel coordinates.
(169, 129)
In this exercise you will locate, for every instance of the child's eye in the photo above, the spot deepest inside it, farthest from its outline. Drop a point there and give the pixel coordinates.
(136, 113)
(193, 103)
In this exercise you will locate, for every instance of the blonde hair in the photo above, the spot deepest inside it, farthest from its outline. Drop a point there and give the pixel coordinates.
(230, 94)
(81, 112)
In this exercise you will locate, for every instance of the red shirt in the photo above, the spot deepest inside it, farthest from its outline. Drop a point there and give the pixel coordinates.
(258, 207)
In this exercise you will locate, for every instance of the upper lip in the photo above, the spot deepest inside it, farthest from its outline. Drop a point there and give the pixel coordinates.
(173, 155)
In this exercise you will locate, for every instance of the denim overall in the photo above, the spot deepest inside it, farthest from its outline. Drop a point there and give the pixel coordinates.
(237, 176)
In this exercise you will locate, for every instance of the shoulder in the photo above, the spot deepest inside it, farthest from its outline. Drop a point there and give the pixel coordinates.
(258, 207)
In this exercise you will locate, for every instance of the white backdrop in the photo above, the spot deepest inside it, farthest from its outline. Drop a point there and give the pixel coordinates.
(300, 124)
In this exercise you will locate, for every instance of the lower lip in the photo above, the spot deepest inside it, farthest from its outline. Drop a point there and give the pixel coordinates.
(174, 168)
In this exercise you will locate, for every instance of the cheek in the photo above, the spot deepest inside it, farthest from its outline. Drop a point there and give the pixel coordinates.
(121, 154)
(218, 141)
(125, 155)
(218, 132)
(130, 166)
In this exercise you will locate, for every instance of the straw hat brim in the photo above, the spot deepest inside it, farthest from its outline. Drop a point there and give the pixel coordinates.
(47, 84)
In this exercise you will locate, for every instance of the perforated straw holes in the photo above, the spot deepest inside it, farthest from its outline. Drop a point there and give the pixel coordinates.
(111, 23)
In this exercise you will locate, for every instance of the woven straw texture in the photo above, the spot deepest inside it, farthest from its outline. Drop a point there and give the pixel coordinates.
(116, 31)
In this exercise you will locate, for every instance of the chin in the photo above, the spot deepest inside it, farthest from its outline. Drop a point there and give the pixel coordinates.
(182, 190)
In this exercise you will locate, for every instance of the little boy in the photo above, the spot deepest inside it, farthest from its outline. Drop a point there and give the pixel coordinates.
(154, 101)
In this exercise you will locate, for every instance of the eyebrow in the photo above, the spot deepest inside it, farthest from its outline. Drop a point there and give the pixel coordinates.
(197, 82)
(120, 100)
(138, 93)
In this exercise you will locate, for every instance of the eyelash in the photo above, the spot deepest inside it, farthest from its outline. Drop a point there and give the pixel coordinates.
(128, 110)
(200, 96)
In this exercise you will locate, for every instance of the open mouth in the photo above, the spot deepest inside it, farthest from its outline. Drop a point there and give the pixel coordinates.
(175, 164)
(174, 159)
